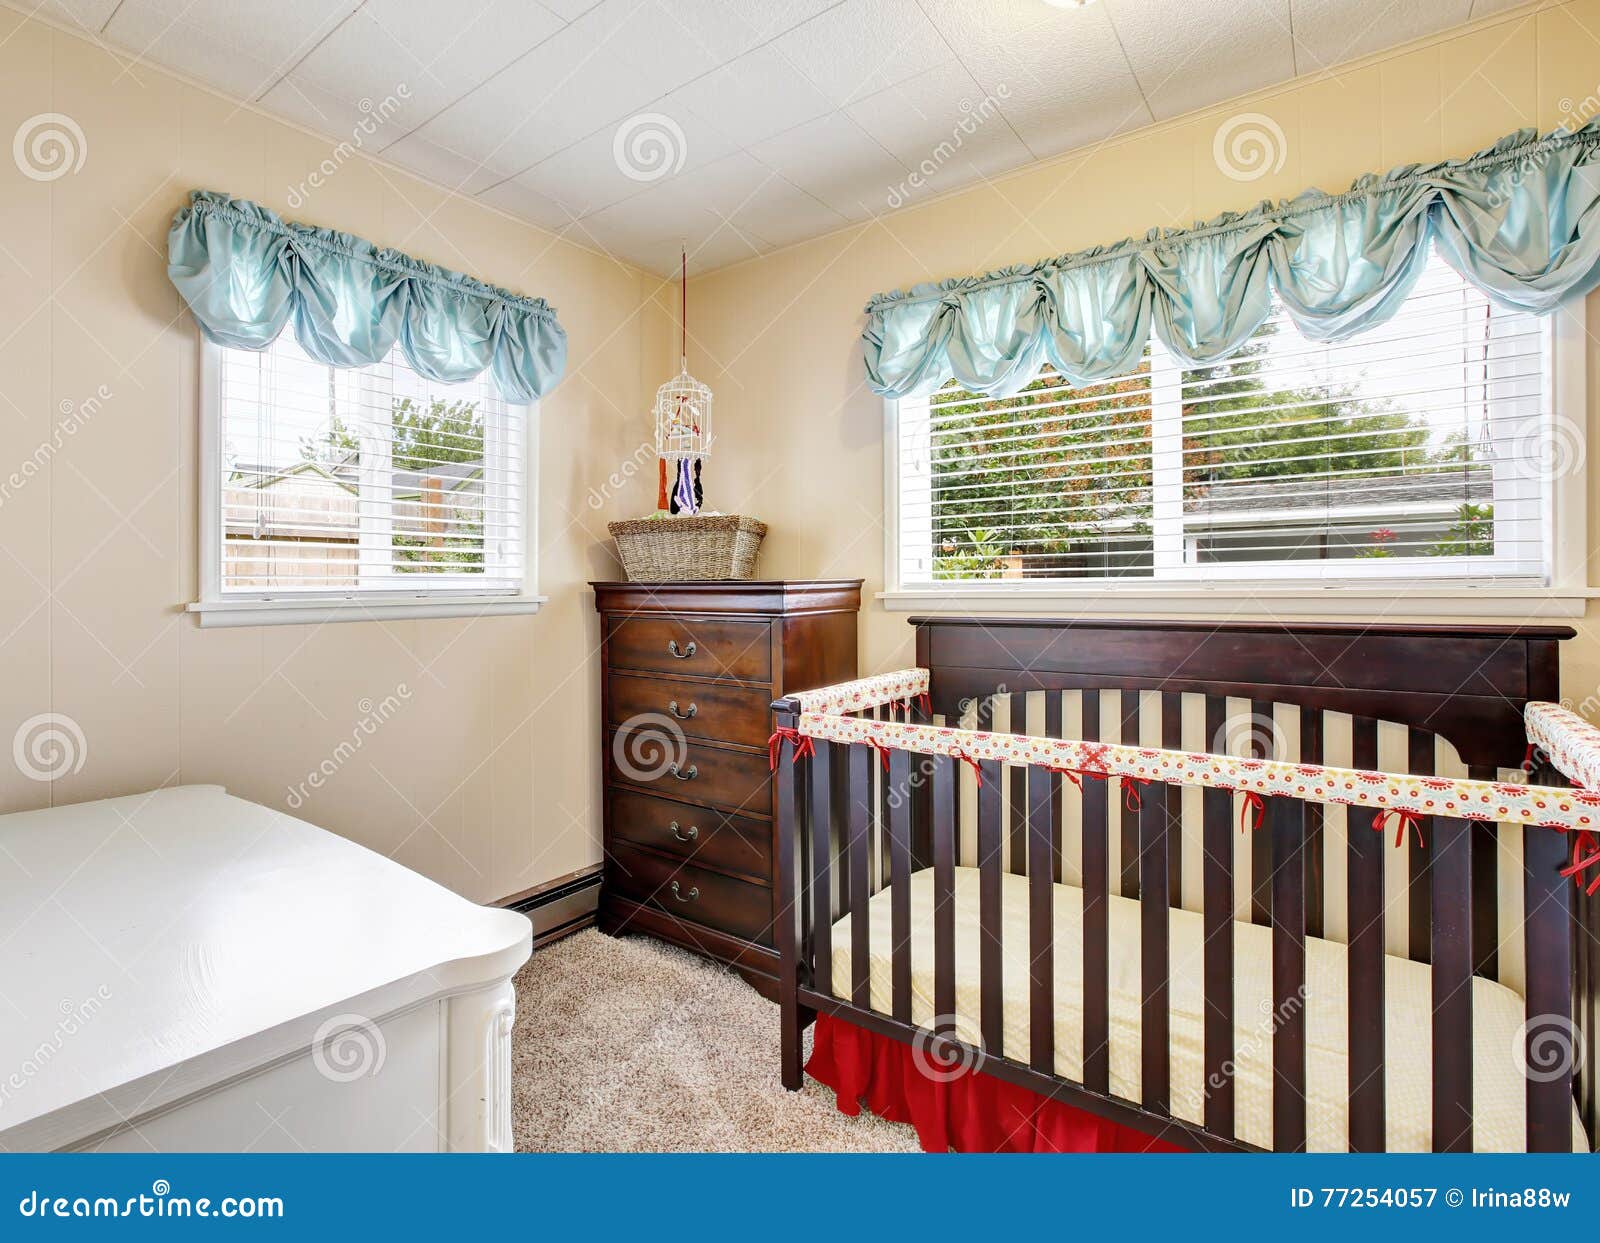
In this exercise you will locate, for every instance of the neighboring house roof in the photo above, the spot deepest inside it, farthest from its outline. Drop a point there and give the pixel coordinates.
(1299, 499)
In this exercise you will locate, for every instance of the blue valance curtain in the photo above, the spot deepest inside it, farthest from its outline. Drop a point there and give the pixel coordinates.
(245, 272)
(1520, 220)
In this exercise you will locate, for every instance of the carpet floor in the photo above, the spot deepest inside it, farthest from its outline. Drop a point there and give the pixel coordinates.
(629, 1045)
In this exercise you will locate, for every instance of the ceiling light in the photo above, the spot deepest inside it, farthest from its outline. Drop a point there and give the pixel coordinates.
(1069, 4)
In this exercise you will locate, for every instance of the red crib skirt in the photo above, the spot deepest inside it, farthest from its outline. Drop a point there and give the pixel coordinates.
(973, 1112)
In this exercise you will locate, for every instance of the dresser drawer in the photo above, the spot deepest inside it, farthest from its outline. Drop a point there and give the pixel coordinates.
(718, 710)
(688, 769)
(699, 835)
(697, 647)
(686, 892)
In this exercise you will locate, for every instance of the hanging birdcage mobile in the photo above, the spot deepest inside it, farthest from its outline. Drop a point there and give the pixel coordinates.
(683, 422)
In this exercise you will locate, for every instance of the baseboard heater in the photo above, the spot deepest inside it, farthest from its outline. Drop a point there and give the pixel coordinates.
(560, 906)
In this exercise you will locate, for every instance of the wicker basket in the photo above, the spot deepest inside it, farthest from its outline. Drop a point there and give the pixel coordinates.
(665, 550)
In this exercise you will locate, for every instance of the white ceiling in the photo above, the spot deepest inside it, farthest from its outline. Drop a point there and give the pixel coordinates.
(779, 119)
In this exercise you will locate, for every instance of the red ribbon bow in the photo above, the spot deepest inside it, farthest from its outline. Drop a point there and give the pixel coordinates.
(1130, 796)
(1584, 840)
(1253, 804)
(927, 704)
(1403, 820)
(977, 769)
(803, 744)
(1071, 774)
(883, 752)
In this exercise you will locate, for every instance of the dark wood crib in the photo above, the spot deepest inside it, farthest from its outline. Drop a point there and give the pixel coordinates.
(1467, 899)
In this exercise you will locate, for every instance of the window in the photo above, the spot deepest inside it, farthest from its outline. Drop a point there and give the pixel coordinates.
(1423, 449)
(370, 486)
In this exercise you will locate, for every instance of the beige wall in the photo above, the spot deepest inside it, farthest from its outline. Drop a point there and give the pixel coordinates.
(778, 336)
(486, 777)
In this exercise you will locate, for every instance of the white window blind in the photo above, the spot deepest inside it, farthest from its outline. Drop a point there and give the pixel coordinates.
(1422, 448)
(364, 481)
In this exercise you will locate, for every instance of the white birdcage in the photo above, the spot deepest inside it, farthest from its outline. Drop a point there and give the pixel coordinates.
(683, 417)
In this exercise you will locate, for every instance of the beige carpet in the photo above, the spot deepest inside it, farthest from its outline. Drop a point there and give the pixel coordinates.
(629, 1045)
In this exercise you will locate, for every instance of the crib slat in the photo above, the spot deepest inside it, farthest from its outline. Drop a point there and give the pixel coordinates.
(1547, 936)
(1260, 736)
(1053, 728)
(1041, 924)
(1172, 740)
(862, 806)
(1311, 736)
(1217, 908)
(1288, 975)
(1419, 761)
(1485, 887)
(1451, 952)
(1129, 815)
(1365, 954)
(1017, 793)
(1096, 918)
(824, 876)
(990, 963)
(1154, 957)
(944, 880)
(900, 883)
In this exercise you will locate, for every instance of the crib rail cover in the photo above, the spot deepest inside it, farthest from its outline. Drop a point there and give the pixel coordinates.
(1568, 741)
(1573, 745)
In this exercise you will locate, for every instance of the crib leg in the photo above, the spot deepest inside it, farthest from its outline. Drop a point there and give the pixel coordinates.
(795, 1019)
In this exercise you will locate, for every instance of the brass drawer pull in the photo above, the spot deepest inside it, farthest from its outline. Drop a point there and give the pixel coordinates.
(683, 716)
(693, 896)
(694, 832)
(672, 650)
(693, 772)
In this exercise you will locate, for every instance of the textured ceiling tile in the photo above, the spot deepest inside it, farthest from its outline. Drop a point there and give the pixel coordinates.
(862, 46)
(1188, 56)
(943, 127)
(241, 47)
(836, 161)
(85, 15)
(436, 53)
(1330, 32)
(754, 97)
(1059, 75)
(622, 161)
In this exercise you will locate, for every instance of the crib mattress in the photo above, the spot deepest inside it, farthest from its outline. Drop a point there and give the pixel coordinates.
(1499, 1104)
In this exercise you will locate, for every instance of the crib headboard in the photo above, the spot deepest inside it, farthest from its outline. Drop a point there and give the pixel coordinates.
(1467, 684)
(1403, 685)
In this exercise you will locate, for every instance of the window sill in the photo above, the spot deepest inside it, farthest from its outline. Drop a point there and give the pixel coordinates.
(1391, 600)
(295, 612)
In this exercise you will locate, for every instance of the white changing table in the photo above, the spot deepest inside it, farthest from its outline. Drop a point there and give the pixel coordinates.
(186, 971)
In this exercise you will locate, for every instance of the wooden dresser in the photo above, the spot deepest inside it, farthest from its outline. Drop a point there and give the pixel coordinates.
(690, 672)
